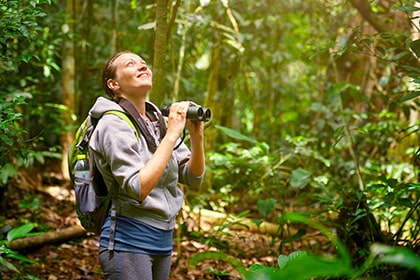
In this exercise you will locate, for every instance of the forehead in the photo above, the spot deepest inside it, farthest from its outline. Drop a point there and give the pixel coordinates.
(125, 57)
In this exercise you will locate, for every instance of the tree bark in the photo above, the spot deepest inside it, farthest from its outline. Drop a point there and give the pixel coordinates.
(160, 52)
(68, 86)
(365, 11)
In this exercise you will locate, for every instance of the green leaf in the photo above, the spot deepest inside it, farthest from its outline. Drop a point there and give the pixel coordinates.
(297, 254)
(237, 264)
(265, 206)
(235, 134)
(411, 95)
(406, 8)
(6, 172)
(39, 157)
(396, 255)
(14, 255)
(19, 232)
(260, 268)
(26, 58)
(300, 218)
(4, 264)
(258, 222)
(282, 261)
(304, 266)
(300, 178)
(415, 47)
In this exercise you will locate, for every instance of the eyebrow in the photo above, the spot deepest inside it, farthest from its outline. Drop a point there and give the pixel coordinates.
(135, 60)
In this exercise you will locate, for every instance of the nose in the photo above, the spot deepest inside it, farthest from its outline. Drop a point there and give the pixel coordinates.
(142, 67)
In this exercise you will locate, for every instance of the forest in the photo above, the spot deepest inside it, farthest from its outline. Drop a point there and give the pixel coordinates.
(312, 150)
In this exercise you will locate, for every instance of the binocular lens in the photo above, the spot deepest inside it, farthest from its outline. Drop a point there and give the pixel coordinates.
(202, 114)
(194, 113)
(206, 114)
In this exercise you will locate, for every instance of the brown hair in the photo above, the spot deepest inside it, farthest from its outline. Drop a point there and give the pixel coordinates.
(109, 73)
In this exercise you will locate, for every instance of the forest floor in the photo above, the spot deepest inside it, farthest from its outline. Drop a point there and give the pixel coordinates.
(77, 258)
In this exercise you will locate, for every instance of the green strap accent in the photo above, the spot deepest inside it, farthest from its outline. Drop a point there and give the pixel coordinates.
(125, 118)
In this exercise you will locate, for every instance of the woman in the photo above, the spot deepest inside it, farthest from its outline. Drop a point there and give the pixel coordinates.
(136, 243)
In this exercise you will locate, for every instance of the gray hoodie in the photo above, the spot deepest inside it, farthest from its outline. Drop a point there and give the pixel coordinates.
(120, 155)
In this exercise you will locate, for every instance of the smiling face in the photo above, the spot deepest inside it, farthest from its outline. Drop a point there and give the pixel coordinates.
(132, 76)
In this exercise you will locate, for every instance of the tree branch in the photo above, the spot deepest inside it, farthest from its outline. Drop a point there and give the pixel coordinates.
(364, 9)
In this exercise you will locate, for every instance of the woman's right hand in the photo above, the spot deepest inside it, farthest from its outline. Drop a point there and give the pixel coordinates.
(177, 118)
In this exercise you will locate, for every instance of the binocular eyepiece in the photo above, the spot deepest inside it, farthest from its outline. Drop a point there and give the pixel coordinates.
(194, 113)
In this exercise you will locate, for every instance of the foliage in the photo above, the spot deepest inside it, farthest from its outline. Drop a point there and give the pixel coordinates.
(29, 55)
(27, 44)
(6, 253)
(15, 151)
(325, 181)
(396, 205)
(290, 267)
(11, 137)
(240, 171)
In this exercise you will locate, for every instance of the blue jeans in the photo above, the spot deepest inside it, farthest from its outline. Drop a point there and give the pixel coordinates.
(131, 266)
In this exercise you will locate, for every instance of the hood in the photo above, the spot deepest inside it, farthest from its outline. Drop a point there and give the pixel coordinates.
(103, 105)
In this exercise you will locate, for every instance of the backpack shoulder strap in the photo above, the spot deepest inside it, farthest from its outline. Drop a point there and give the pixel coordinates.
(124, 117)
(154, 113)
(132, 111)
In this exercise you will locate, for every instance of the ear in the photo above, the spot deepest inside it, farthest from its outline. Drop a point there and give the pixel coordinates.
(113, 85)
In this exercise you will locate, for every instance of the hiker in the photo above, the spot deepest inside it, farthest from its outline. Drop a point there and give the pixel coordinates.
(136, 243)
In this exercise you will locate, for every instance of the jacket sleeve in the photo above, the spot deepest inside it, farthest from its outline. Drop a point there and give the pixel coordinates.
(182, 155)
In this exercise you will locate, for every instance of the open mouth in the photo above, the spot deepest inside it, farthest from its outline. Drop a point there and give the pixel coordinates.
(143, 75)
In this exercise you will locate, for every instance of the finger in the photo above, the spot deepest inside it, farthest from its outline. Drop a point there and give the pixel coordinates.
(180, 107)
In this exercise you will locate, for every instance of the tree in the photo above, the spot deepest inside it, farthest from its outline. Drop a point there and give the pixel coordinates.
(70, 99)
(159, 62)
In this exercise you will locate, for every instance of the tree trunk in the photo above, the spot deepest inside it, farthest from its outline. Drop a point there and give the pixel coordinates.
(181, 54)
(114, 37)
(158, 92)
(212, 86)
(68, 85)
(84, 56)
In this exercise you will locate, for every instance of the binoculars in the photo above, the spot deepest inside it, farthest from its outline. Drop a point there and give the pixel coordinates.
(194, 113)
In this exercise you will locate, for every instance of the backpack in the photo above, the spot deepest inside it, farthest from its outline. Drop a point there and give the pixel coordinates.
(93, 200)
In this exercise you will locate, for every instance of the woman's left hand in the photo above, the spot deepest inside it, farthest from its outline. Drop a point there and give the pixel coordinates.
(195, 128)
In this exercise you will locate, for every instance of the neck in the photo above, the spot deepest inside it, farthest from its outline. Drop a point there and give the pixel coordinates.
(139, 104)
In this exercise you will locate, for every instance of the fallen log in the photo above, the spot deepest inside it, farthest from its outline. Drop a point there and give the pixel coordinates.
(47, 238)
(237, 223)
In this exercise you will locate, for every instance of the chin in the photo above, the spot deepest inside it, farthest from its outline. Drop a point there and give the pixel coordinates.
(145, 88)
